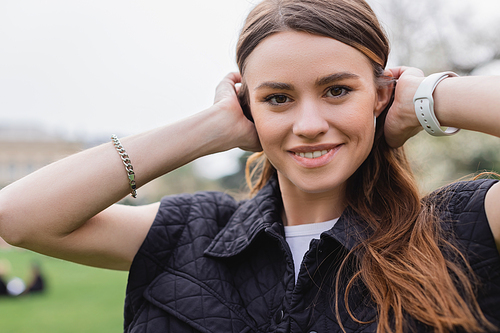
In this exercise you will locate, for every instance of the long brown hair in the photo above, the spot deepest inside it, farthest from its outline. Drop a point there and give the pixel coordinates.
(401, 263)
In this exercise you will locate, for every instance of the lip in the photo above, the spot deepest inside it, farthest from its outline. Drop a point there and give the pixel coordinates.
(315, 162)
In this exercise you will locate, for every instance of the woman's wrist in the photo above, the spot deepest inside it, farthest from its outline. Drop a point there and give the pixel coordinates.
(423, 101)
(450, 99)
(470, 102)
(220, 130)
(234, 130)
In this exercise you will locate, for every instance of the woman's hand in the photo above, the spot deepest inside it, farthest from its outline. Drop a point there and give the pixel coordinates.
(401, 122)
(241, 131)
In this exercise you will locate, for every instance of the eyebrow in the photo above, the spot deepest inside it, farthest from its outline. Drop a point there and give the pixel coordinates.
(275, 85)
(320, 82)
(335, 77)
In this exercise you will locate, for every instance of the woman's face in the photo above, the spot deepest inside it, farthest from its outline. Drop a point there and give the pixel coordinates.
(313, 100)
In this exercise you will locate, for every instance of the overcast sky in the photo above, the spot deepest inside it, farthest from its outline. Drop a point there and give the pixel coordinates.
(95, 67)
(113, 66)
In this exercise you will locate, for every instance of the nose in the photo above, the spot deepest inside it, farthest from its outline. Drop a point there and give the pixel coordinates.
(309, 121)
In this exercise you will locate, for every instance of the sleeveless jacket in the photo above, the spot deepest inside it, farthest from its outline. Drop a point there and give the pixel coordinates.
(211, 264)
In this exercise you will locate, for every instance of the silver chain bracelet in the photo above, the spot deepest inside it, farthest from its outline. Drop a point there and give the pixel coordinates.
(128, 164)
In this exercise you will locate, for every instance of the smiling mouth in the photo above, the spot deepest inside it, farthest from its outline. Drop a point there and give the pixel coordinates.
(313, 154)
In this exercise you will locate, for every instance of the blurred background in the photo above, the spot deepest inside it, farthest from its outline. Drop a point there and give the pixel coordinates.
(74, 72)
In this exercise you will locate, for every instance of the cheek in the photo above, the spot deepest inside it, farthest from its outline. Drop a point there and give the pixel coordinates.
(268, 130)
(359, 122)
(270, 126)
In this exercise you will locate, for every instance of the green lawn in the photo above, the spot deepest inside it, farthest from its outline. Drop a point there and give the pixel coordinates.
(77, 298)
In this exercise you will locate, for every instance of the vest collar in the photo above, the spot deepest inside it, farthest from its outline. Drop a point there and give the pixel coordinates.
(263, 213)
(250, 219)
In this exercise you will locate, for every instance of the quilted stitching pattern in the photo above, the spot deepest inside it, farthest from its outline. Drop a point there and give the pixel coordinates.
(475, 240)
(211, 264)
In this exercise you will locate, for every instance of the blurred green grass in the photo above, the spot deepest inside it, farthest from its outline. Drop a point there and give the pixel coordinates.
(77, 298)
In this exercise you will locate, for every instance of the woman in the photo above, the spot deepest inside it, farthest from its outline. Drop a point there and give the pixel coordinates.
(319, 100)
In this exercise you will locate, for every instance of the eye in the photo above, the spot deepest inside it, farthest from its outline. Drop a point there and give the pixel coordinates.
(277, 99)
(337, 91)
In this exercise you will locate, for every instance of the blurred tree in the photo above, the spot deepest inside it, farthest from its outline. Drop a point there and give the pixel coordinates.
(439, 36)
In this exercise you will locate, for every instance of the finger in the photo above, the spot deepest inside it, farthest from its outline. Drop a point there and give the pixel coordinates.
(388, 73)
(237, 87)
(227, 87)
(397, 72)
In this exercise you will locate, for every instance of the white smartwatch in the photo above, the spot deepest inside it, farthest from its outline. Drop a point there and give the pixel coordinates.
(424, 105)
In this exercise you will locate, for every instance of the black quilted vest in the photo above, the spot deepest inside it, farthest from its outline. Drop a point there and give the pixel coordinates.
(211, 264)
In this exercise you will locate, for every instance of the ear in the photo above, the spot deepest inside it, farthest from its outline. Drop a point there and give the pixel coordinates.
(385, 90)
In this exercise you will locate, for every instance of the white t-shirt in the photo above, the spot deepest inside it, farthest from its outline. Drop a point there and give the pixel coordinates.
(299, 237)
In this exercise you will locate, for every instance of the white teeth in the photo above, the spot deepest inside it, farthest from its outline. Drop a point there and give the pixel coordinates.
(313, 154)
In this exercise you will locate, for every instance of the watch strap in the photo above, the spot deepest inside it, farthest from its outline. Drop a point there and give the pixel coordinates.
(424, 105)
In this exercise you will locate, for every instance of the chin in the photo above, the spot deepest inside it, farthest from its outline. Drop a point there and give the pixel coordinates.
(320, 189)
(318, 185)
